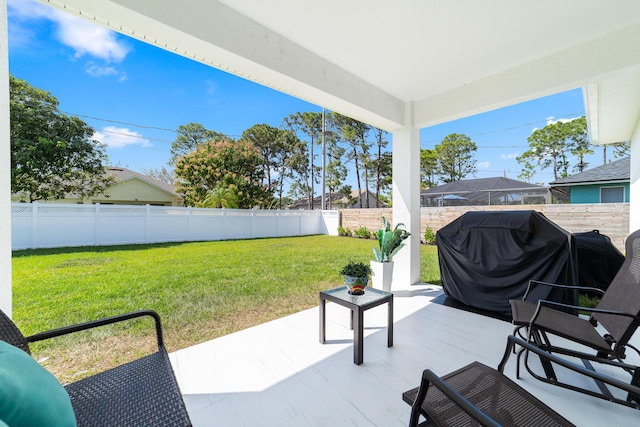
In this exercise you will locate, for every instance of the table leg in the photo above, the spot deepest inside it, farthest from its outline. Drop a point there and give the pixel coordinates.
(390, 324)
(353, 313)
(322, 320)
(358, 339)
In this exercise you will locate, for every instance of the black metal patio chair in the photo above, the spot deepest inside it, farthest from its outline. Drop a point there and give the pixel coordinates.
(479, 395)
(618, 313)
(143, 392)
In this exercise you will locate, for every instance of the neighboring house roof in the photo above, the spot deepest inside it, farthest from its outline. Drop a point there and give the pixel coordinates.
(481, 191)
(480, 184)
(616, 171)
(338, 200)
(124, 174)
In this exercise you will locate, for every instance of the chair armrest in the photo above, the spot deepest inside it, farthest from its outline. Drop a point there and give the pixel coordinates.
(550, 304)
(513, 340)
(101, 322)
(533, 283)
(429, 377)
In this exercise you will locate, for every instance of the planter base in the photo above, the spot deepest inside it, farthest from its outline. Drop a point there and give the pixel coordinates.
(382, 275)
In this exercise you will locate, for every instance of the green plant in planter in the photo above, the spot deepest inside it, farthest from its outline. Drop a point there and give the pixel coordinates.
(356, 269)
(356, 277)
(389, 241)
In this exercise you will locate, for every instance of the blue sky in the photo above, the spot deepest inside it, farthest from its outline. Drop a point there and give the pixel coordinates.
(135, 95)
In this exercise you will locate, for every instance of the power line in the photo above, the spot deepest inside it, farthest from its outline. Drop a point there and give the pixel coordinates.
(134, 124)
(120, 122)
(565, 116)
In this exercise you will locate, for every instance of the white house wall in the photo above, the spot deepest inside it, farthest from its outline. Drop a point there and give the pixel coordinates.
(5, 168)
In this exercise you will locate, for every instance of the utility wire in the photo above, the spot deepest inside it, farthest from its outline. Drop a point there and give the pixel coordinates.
(565, 116)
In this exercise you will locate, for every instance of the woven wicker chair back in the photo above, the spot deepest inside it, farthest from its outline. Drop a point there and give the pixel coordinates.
(10, 333)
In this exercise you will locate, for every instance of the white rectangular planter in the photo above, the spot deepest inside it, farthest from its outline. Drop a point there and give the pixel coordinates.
(382, 275)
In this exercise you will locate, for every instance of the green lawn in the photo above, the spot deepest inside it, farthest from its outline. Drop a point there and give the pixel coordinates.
(201, 290)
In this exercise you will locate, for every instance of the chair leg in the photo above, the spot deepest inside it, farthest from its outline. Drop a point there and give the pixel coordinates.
(541, 340)
(635, 380)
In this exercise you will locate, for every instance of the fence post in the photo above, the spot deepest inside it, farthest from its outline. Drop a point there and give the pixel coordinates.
(189, 226)
(224, 212)
(34, 225)
(278, 224)
(253, 223)
(147, 218)
(96, 224)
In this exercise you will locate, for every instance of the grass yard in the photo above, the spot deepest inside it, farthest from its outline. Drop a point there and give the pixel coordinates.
(201, 290)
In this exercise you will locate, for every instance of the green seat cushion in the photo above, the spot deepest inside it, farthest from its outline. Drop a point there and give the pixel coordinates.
(29, 394)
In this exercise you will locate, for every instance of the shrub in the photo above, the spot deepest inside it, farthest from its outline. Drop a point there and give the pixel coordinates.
(344, 232)
(362, 233)
(429, 236)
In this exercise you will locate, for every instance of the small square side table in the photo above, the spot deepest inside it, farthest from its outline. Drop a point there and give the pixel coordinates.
(358, 304)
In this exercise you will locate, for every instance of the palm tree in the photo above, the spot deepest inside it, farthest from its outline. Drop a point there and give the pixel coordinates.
(220, 197)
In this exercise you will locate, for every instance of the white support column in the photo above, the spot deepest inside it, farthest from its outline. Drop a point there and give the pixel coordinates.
(406, 200)
(634, 197)
(5, 167)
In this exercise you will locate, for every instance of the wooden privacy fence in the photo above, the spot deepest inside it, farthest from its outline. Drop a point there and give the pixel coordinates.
(611, 219)
(36, 225)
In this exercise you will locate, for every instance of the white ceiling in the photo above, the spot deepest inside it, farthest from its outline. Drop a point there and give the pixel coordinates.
(377, 60)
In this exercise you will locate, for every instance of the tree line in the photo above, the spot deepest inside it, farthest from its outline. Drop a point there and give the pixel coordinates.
(561, 146)
(214, 170)
(53, 156)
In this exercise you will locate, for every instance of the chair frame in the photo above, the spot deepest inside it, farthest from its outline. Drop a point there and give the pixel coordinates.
(429, 378)
(553, 318)
(146, 388)
(614, 357)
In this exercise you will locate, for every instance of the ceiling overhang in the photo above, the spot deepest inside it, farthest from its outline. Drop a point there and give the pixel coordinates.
(393, 64)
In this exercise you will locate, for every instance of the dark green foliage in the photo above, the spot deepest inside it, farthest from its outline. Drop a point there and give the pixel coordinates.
(344, 232)
(429, 236)
(356, 269)
(362, 233)
(389, 241)
(52, 154)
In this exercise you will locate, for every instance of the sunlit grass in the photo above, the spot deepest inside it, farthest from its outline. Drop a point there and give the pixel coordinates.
(201, 290)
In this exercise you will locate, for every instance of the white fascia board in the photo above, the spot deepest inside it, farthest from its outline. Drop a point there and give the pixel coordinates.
(587, 63)
(590, 98)
(216, 35)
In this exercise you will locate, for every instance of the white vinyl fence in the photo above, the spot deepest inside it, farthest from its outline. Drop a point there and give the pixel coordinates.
(36, 225)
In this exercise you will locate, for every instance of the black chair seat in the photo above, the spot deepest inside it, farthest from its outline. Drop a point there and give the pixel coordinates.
(560, 323)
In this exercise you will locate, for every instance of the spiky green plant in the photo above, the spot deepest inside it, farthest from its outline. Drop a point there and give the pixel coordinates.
(389, 241)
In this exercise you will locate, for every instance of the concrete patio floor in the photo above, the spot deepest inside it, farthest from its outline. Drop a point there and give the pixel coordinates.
(278, 374)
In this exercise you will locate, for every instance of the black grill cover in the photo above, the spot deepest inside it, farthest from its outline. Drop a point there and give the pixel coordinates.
(598, 259)
(488, 258)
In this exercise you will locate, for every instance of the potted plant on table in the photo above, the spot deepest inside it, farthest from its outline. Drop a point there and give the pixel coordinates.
(389, 243)
(356, 277)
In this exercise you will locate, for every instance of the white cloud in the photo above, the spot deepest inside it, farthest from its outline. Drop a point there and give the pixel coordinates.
(509, 156)
(115, 137)
(85, 38)
(483, 165)
(100, 70)
(27, 9)
(96, 70)
(551, 120)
